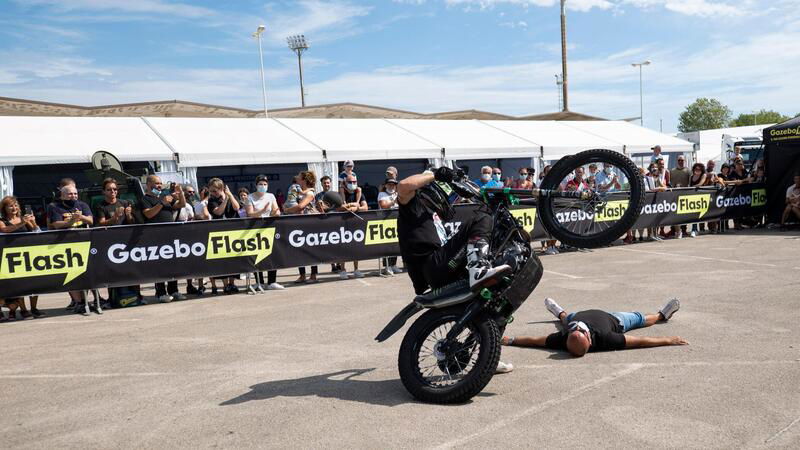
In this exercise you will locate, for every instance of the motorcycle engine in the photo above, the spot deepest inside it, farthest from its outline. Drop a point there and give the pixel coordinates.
(513, 255)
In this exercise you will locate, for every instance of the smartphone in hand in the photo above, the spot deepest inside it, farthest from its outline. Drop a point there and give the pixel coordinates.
(28, 210)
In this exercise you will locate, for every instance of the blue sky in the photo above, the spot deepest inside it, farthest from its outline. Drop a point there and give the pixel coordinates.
(419, 55)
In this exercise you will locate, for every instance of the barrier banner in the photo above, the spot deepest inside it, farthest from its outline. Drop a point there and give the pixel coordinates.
(53, 261)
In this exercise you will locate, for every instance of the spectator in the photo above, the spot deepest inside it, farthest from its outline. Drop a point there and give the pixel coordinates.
(387, 199)
(679, 178)
(186, 214)
(656, 153)
(607, 180)
(391, 172)
(592, 171)
(13, 221)
(487, 179)
(306, 205)
(323, 206)
(698, 178)
(200, 213)
(654, 183)
(523, 181)
(711, 176)
(114, 211)
(71, 213)
(280, 198)
(532, 176)
(159, 208)
(722, 180)
(353, 204)
(263, 204)
(344, 176)
(222, 204)
(792, 202)
(577, 183)
(663, 173)
(549, 245)
(292, 195)
(630, 237)
(738, 175)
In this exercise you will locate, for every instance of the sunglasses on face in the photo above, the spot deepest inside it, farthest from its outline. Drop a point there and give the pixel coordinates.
(112, 190)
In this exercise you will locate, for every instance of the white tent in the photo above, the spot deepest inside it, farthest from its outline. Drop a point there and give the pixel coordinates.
(636, 139)
(709, 142)
(63, 140)
(469, 139)
(202, 142)
(362, 139)
(553, 139)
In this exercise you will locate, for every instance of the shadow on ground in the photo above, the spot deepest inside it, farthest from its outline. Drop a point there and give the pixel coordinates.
(340, 385)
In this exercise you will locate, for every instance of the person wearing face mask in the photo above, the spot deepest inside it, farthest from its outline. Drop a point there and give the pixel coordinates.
(387, 199)
(262, 204)
(160, 206)
(222, 204)
(352, 202)
(596, 331)
(606, 180)
(71, 213)
(490, 178)
(344, 176)
(524, 179)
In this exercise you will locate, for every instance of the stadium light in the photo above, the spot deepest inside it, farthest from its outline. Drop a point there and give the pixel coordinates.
(259, 31)
(641, 101)
(298, 44)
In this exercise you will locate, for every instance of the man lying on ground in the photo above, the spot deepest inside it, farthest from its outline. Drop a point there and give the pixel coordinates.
(594, 330)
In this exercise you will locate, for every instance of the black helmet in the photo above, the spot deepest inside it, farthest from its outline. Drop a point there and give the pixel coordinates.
(436, 200)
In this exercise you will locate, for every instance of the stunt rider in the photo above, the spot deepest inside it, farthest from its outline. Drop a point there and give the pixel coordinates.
(434, 257)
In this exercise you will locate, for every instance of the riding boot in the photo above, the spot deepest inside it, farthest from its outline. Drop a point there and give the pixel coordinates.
(480, 269)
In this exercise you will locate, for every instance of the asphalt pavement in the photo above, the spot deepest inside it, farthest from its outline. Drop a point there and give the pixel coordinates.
(299, 368)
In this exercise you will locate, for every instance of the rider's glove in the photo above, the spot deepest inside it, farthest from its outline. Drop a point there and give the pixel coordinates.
(444, 174)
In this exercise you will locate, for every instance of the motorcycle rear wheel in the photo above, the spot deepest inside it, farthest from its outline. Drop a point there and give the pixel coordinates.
(454, 377)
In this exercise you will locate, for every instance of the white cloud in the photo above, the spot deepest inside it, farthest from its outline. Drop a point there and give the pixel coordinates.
(702, 8)
(126, 6)
(517, 24)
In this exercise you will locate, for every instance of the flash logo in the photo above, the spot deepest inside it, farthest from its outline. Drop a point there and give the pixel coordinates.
(759, 197)
(691, 204)
(381, 232)
(526, 217)
(22, 262)
(232, 244)
(612, 211)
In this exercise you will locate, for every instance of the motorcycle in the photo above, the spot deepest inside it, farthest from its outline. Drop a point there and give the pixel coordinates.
(451, 352)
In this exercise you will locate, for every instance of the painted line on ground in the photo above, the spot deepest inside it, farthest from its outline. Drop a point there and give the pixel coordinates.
(70, 321)
(677, 255)
(779, 433)
(84, 375)
(511, 418)
(574, 277)
(363, 282)
(665, 364)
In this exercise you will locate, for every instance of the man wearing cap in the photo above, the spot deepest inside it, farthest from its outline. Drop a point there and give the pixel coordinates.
(344, 175)
(595, 330)
(656, 153)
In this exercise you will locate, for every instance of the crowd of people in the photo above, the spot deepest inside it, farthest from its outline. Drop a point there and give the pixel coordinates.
(216, 201)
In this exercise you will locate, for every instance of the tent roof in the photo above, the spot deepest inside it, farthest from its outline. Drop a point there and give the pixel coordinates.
(636, 139)
(465, 139)
(555, 138)
(64, 140)
(363, 139)
(201, 142)
(782, 132)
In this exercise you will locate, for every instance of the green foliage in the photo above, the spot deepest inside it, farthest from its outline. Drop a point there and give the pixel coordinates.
(759, 118)
(704, 114)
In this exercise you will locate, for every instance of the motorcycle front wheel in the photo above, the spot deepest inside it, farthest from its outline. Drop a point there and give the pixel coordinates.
(435, 374)
(613, 198)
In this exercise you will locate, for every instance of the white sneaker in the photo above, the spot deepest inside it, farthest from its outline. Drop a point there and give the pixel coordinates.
(670, 308)
(275, 286)
(388, 272)
(483, 272)
(358, 274)
(396, 269)
(503, 367)
(553, 307)
(550, 251)
(251, 290)
(343, 275)
(693, 234)
(260, 288)
(680, 235)
(165, 298)
(178, 296)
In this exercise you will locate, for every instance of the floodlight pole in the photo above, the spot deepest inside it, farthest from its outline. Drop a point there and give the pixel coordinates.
(300, 69)
(298, 44)
(257, 35)
(564, 54)
(641, 97)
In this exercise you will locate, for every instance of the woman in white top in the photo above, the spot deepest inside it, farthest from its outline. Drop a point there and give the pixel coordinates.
(387, 199)
(263, 204)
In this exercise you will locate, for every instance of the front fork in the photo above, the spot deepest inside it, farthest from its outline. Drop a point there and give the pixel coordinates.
(472, 310)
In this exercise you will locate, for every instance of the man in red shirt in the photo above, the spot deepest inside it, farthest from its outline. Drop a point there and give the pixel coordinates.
(577, 183)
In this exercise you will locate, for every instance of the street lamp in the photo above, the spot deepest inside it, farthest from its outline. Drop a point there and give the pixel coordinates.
(564, 54)
(298, 44)
(641, 102)
(259, 31)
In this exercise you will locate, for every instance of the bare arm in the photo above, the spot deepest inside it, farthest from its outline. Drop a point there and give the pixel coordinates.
(407, 188)
(641, 342)
(527, 341)
(151, 212)
(11, 228)
(308, 197)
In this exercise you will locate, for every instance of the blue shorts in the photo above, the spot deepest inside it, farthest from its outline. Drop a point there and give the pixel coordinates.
(628, 320)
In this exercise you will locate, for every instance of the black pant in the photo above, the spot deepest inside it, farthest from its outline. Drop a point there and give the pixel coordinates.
(272, 275)
(444, 265)
(171, 288)
(314, 270)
